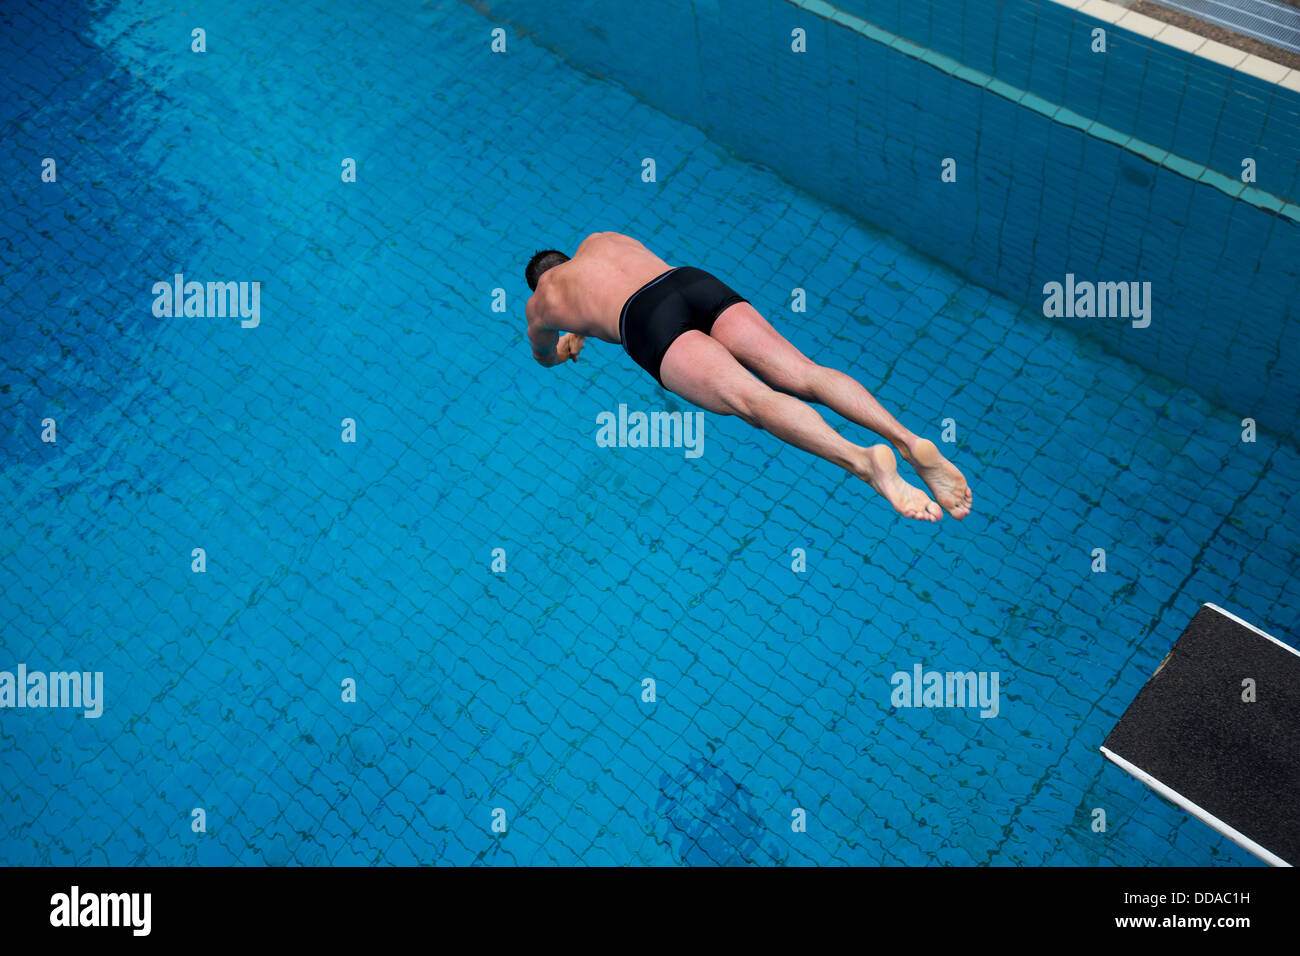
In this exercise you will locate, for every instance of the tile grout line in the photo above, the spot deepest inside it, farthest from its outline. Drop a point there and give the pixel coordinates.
(1186, 168)
(1174, 36)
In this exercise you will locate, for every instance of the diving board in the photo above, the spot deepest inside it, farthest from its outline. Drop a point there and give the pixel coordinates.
(1193, 736)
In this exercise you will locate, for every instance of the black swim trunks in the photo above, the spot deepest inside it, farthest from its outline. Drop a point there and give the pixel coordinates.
(680, 300)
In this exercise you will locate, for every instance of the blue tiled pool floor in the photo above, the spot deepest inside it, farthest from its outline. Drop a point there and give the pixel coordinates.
(522, 691)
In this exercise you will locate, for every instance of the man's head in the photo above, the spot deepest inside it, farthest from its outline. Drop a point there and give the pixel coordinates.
(540, 262)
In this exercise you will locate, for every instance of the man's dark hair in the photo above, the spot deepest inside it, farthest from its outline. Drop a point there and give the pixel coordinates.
(540, 262)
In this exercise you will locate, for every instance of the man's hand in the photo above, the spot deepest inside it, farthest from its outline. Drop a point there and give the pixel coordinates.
(569, 346)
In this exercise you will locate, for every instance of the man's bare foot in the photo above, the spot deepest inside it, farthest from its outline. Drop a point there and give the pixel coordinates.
(880, 470)
(946, 483)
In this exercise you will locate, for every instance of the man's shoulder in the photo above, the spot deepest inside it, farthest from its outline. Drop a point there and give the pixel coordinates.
(603, 237)
(539, 309)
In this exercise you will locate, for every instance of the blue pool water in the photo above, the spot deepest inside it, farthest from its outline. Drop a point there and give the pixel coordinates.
(372, 561)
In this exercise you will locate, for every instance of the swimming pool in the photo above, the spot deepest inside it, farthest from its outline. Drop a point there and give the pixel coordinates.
(521, 691)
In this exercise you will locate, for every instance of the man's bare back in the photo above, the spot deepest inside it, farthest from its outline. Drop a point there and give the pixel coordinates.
(586, 294)
(706, 343)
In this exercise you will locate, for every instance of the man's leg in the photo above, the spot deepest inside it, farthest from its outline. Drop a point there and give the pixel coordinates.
(766, 353)
(703, 372)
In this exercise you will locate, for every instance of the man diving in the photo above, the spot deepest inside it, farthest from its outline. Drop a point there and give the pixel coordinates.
(702, 341)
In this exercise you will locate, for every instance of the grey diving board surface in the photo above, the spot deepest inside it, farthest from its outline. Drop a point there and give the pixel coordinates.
(1194, 736)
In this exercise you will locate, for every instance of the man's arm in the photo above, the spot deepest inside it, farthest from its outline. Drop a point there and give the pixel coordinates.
(545, 343)
(549, 347)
